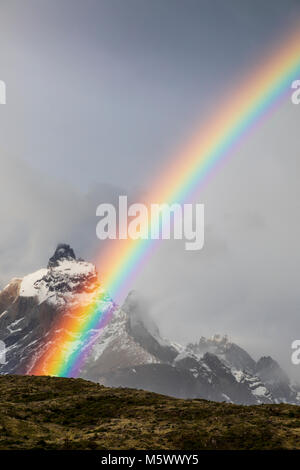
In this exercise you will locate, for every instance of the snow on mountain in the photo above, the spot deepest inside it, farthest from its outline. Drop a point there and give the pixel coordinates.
(266, 380)
(64, 278)
(277, 381)
(114, 349)
(30, 305)
(231, 354)
(130, 339)
(28, 286)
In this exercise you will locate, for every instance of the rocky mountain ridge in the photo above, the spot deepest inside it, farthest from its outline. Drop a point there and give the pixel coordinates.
(129, 351)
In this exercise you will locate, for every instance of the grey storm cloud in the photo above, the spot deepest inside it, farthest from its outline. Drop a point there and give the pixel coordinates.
(38, 212)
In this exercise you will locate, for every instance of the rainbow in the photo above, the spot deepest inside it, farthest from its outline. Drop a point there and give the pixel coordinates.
(72, 336)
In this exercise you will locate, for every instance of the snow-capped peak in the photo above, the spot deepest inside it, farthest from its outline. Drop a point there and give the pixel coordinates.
(64, 277)
(62, 252)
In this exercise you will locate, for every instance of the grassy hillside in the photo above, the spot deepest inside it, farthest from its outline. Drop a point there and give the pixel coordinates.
(55, 413)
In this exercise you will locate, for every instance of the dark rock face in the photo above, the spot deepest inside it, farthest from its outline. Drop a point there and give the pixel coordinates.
(131, 353)
(9, 294)
(145, 332)
(224, 381)
(24, 335)
(159, 378)
(30, 306)
(221, 346)
(276, 380)
(62, 252)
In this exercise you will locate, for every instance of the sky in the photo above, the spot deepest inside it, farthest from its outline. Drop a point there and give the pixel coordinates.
(101, 93)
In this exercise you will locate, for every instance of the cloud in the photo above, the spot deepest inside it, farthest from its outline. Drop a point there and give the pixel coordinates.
(38, 211)
(244, 282)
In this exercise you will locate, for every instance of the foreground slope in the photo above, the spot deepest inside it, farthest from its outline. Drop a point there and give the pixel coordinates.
(57, 413)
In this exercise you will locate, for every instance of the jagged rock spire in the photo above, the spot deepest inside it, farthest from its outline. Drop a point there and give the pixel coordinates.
(62, 252)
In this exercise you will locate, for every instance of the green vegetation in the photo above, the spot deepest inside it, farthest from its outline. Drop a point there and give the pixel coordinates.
(57, 413)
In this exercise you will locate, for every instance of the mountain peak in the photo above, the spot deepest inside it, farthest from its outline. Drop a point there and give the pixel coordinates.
(221, 339)
(62, 252)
